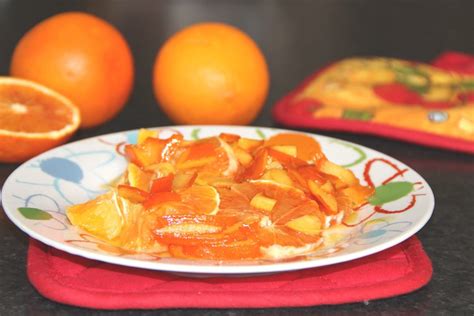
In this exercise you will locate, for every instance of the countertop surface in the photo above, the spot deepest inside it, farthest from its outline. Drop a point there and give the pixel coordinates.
(297, 37)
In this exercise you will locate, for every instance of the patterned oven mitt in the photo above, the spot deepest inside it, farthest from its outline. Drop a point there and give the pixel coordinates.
(426, 104)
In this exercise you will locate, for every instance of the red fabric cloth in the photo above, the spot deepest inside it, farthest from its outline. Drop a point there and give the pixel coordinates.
(82, 282)
(300, 114)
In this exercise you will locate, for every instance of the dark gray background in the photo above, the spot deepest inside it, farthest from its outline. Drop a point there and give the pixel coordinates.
(296, 37)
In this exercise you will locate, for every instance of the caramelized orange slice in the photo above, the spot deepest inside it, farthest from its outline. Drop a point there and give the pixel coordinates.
(153, 150)
(159, 198)
(235, 250)
(100, 217)
(203, 199)
(229, 138)
(134, 195)
(139, 178)
(163, 184)
(256, 169)
(211, 155)
(224, 198)
(307, 148)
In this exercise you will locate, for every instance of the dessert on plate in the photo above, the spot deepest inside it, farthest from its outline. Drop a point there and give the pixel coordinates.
(223, 198)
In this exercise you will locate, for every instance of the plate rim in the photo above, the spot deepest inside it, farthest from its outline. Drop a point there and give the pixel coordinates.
(221, 269)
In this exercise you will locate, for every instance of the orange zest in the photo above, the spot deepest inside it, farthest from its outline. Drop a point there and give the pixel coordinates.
(308, 149)
(132, 194)
(152, 150)
(159, 198)
(229, 138)
(163, 184)
(257, 167)
(202, 150)
(286, 160)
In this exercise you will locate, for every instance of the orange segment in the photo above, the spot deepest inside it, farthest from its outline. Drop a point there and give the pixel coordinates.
(236, 250)
(203, 150)
(290, 202)
(307, 148)
(229, 138)
(139, 178)
(33, 119)
(249, 144)
(285, 215)
(232, 201)
(116, 220)
(144, 133)
(132, 194)
(310, 172)
(210, 155)
(327, 200)
(340, 172)
(357, 195)
(286, 160)
(211, 237)
(162, 184)
(203, 199)
(256, 169)
(153, 150)
(183, 180)
(193, 200)
(308, 224)
(214, 220)
(100, 216)
(160, 198)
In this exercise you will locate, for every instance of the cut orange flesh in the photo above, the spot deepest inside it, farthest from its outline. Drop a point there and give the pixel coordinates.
(307, 148)
(211, 155)
(163, 184)
(133, 194)
(33, 119)
(256, 169)
(231, 198)
(99, 217)
(203, 199)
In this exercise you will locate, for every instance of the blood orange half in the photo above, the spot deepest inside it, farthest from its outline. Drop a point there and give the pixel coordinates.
(33, 119)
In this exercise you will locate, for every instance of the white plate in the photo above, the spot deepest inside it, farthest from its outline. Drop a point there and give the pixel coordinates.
(36, 194)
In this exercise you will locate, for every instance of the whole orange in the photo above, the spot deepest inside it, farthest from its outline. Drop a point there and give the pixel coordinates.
(82, 57)
(210, 73)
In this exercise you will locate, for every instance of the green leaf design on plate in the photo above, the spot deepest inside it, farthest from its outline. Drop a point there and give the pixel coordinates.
(360, 152)
(34, 213)
(260, 133)
(357, 115)
(195, 133)
(390, 192)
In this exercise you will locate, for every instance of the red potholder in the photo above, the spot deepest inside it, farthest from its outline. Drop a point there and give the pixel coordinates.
(431, 105)
(82, 282)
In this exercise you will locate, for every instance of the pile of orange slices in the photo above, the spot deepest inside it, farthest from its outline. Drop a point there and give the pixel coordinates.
(223, 198)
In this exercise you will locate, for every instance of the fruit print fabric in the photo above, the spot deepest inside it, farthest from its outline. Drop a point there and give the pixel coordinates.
(431, 105)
